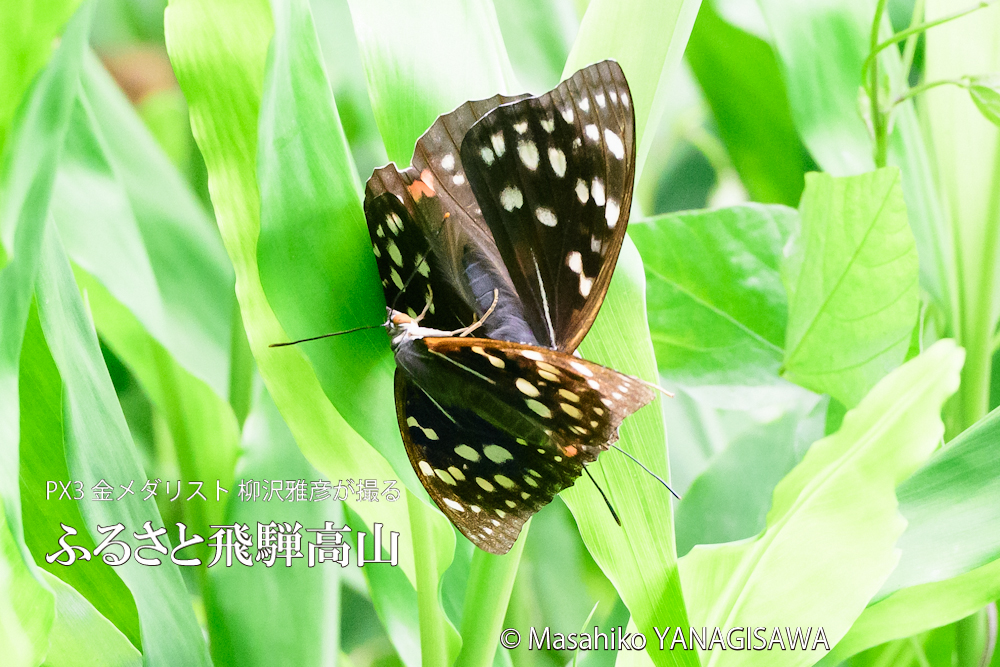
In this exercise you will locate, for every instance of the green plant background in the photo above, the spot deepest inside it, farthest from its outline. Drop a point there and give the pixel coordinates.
(181, 186)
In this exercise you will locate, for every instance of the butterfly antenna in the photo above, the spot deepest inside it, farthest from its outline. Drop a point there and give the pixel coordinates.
(478, 323)
(606, 501)
(326, 335)
(640, 464)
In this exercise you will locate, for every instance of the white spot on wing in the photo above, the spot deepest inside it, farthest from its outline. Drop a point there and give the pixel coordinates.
(613, 95)
(458, 179)
(599, 98)
(548, 125)
(585, 104)
(582, 193)
(497, 454)
(574, 260)
(511, 198)
(585, 285)
(592, 132)
(521, 127)
(546, 216)
(425, 468)
(498, 145)
(453, 505)
(448, 162)
(581, 369)
(597, 191)
(614, 143)
(487, 155)
(528, 153)
(567, 114)
(525, 388)
(558, 161)
(611, 213)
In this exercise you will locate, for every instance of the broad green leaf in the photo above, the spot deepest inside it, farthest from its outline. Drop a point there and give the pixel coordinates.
(953, 500)
(190, 311)
(639, 557)
(425, 61)
(314, 254)
(647, 38)
(161, 269)
(739, 75)
(27, 607)
(99, 447)
(81, 637)
(851, 278)
(30, 31)
(218, 52)
(829, 542)
(45, 508)
(538, 36)
(28, 172)
(395, 602)
(262, 615)
(967, 149)
(717, 309)
(920, 608)
(730, 500)
(820, 46)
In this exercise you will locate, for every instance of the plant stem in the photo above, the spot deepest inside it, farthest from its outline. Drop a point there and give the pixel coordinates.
(878, 47)
(871, 64)
(916, 90)
(433, 643)
(491, 579)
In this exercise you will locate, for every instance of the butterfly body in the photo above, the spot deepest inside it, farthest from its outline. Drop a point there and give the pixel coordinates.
(507, 225)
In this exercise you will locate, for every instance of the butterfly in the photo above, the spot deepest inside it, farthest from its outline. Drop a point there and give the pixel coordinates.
(495, 249)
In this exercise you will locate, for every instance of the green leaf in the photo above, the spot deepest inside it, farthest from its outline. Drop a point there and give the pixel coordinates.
(28, 172)
(157, 277)
(647, 38)
(717, 309)
(30, 28)
(920, 608)
(985, 92)
(538, 36)
(258, 613)
(830, 536)
(421, 63)
(639, 556)
(852, 288)
(27, 608)
(81, 636)
(314, 254)
(43, 459)
(730, 500)
(820, 48)
(953, 500)
(739, 76)
(218, 53)
(99, 447)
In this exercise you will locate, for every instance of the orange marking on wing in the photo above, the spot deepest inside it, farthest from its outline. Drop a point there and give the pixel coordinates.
(570, 451)
(423, 186)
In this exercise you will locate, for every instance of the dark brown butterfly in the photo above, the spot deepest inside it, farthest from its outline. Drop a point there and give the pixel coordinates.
(508, 224)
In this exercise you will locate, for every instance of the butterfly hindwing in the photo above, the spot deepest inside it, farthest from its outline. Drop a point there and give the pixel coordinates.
(553, 176)
(534, 417)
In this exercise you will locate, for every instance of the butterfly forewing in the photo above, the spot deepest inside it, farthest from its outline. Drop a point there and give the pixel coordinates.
(553, 176)
(533, 417)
